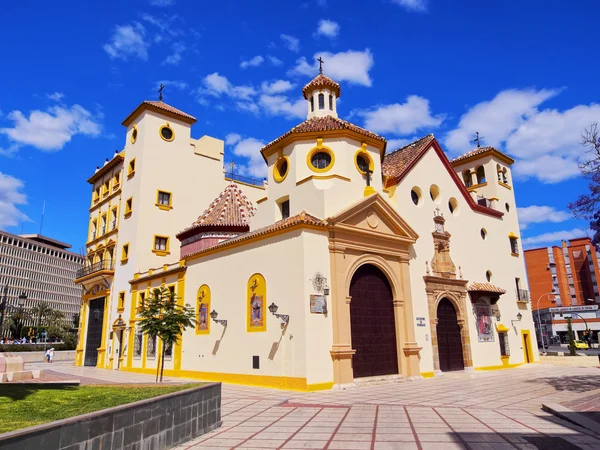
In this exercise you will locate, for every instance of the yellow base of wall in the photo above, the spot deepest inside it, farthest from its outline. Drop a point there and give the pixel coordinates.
(266, 381)
(500, 367)
(427, 374)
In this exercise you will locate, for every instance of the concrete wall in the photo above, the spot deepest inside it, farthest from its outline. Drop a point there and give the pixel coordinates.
(35, 357)
(154, 424)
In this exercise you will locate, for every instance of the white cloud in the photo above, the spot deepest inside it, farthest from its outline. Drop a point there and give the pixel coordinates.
(412, 5)
(557, 236)
(128, 41)
(351, 66)
(279, 105)
(217, 85)
(56, 96)
(292, 43)
(175, 56)
(51, 130)
(249, 150)
(177, 84)
(274, 60)
(395, 144)
(162, 2)
(276, 87)
(541, 214)
(401, 119)
(232, 138)
(253, 62)
(545, 142)
(11, 196)
(328, 28)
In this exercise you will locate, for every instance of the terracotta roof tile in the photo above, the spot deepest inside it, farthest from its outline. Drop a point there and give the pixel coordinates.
(396, 163)
(164, 106)
(299, 219)
(321, 81)
(230, 208)
(485, 287)
(161, 106)
(327, 123)
(478, 151)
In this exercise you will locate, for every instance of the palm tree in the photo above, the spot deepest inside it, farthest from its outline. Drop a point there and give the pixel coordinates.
(41, 312)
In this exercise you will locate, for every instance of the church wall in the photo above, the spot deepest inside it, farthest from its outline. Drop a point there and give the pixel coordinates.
(469, 251)
(226, 353)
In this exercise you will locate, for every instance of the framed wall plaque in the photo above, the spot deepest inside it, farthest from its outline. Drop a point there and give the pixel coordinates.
(318, 304)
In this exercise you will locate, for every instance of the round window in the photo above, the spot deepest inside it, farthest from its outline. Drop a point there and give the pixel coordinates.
(488, 276)
(453, 206)
(320, 160)
(134, 135)
(281, 169)
(415, 195)
(507, 206)
(483, 233)
(434, 193)
(166, 133)
(362, 163)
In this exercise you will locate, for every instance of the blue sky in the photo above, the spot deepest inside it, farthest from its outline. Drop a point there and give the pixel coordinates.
(524, 74)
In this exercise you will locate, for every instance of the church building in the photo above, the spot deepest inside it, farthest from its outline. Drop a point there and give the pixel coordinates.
(351, 262)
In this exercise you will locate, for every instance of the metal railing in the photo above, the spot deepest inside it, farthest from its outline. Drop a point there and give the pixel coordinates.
(96, 267)
(235, 177)
(522, 295)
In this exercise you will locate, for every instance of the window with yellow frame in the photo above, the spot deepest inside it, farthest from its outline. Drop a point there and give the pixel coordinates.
(134, 135)
(161, 245)
(166, 132)
(128, 207)
(320, 159)
(281, 169)
(121, 305)
(203, 310)
(164, 200)
(256, 300)
(131, 168)
(363, 161)
(125, 253)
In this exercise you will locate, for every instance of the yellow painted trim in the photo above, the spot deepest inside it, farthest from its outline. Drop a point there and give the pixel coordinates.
(257, 288)
(321, 177)
(160, 205)
(369, 190)
(260, 200)
(125, 253)
(178, 347)
(288, 383)
(121, 302)
(499, 367)
(529, 346)
(104, 201)
(516, 255)
(501, 328)
(128, 207)
(101, 362)
(134, 134)
(161, 252)
(277, 175)
(475, 186)
(362, 151)
(82, 333)
(513, 235)
(131, 168)
(320, 148)
(504, 185)
(203, 297)
(427, 374)
(172, 132)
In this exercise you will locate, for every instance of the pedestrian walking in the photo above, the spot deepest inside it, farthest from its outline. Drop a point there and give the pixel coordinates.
(51, 354)
(48, 355)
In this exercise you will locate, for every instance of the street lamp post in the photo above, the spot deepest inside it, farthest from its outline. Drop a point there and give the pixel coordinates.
(553, 292)
(2, 308)
(22, 299)
(584, 321)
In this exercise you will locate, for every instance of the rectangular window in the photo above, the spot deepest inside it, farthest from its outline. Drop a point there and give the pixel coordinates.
(503, 339)
(103, 224)
(161, 243)
(94, 230)
(121, 300)
(106, 187)
(321, 101)
(142, 300)
(285, 209)
(116, 180)
(113, 219)
(125, 253)
(163, 200)
(137, 344)
(514, 246)
(131, 168)
(128, 207)
(168, 351)
(96, 194)
(151, 349)
(330, 102)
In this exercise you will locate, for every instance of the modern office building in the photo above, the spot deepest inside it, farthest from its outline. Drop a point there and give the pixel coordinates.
(571, 271)
(41, 268)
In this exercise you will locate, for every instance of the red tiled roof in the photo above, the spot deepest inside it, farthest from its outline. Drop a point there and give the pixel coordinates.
(322, 81)
(396, 163)
(230, 208)
(327, 123)
(299, 219)
(479, 151)
(485, 287)
(160, 106)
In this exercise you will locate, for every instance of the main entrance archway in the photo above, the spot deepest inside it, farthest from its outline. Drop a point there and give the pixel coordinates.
(94, 331)
(448, 336)
(372, 324)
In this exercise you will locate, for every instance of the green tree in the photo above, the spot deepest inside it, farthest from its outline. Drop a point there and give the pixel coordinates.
(42, 313)
(162, 317)
(17, 321)
(571, 337)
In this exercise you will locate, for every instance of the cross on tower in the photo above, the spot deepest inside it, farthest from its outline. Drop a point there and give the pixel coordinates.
(232, 165)
(478, 139)
(320, 64)
(160, 89)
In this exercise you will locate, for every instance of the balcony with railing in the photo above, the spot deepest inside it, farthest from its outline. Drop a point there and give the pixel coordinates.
(523, 295)
(482, 201)
(101, 266)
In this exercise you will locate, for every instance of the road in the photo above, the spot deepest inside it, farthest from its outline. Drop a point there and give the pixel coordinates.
(558, 348)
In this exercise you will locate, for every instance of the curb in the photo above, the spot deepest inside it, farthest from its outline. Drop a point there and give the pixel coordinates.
(571, 416)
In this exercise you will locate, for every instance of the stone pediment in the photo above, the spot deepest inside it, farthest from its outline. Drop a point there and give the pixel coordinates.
(374, 216)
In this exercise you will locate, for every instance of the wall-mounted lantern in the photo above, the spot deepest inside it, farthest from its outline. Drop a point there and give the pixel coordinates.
(283, 317)
(213, 316)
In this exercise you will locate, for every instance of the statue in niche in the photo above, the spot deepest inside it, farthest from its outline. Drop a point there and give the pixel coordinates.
(441, 264)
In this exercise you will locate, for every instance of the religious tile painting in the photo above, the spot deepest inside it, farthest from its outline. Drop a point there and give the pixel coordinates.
(257, 300)
(483, 312)
(203, 310)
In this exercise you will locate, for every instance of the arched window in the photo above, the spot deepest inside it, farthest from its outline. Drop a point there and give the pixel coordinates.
(480, 172)
(312, 104)
(504, 177)
(467, 178)
(256, 301)
(330, 102)
(203, 310)
(321, 101)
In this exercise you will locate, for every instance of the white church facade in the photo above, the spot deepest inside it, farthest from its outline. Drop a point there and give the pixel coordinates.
(347, 263)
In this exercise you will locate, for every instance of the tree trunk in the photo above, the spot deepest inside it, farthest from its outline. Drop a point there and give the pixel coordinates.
(162, 363)
(157, 365)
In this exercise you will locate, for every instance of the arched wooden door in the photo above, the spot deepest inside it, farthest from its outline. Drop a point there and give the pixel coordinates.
(448, 337)
(373, 327)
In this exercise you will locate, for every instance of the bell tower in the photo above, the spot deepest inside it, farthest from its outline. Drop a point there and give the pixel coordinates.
(321, 94)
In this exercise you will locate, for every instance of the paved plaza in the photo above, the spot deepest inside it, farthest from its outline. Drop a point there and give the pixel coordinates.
(482, 410)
